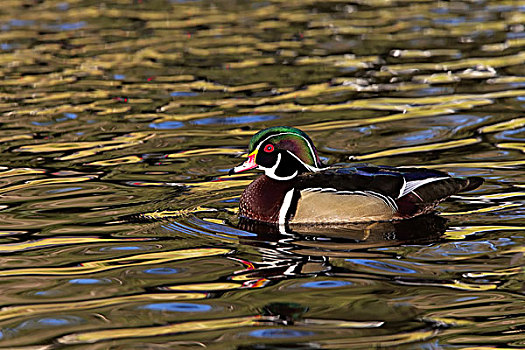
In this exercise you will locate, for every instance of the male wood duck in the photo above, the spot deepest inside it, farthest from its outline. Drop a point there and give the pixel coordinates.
(297, 189)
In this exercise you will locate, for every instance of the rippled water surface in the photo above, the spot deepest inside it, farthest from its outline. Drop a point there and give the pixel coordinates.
(120, 120)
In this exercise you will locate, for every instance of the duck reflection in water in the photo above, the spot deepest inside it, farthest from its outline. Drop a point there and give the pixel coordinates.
(309, 250)
(421, 229)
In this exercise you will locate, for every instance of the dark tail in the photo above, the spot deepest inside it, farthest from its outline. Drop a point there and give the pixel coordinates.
(425, 198)
(473, 182)
(442, 189)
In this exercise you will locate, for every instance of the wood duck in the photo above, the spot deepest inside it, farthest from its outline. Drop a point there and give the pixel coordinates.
(297, 189)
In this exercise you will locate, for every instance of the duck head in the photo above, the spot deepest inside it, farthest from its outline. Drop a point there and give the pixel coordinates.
(282, 152)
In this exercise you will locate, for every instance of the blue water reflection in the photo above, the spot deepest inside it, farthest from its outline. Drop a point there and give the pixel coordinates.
(64, 190)
(466, 299)
(67, 116)
(170, 124)
(162, 271)
(183, 94)
(272, 333)
(123, 248)
(422, 135)
(217, 229)
(511, 135)
(63, 6)
(90, 281)
(449, 20)
(68, 26)
(325, 284)
(235, 120)
(457, 250)
(21, 22)
(45, 322)
(178, 307)
(382, 265)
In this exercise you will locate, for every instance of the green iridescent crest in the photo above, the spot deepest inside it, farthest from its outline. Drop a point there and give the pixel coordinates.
(290, 139)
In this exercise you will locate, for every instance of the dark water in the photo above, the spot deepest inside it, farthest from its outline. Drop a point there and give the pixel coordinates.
(120, 119)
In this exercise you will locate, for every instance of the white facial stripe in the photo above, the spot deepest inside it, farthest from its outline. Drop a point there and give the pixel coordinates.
(309, 167)
(270, 172)
(291, 133)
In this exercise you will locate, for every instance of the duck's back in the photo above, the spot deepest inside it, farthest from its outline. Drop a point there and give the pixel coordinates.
(378, 192)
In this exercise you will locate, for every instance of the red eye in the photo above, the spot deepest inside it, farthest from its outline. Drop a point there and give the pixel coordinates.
(268, 148)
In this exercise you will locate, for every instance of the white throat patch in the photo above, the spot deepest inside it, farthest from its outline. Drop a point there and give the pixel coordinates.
(270, 172)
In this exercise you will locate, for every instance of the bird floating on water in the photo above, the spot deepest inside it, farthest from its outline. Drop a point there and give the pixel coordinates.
(297, 189)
